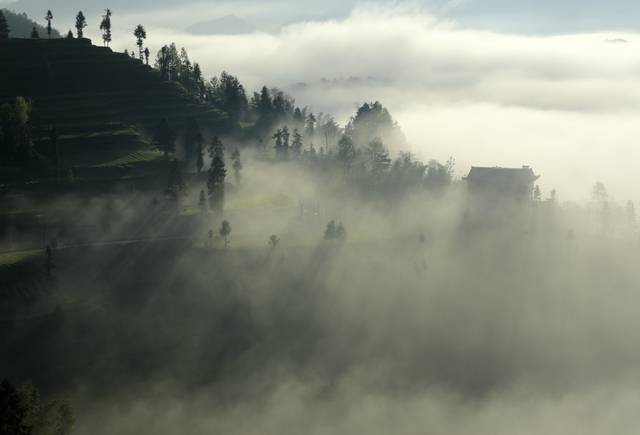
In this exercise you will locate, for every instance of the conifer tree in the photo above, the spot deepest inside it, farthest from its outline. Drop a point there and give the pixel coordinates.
(225, 232)
(237, 166)
(141, 34)
(105, 27)
(4, 27)
(297, 144)
(49, 18)
(217, 175)
(34, 33)
(81, 23)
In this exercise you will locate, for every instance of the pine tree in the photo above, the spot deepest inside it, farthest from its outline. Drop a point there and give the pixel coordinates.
(310, 127)
(69, 34)
(237, 165)
(278, 143)
(141, 34)
(81, 23)
(4, 27)
(346, 152)
(217, 175)
(225, 232)
(105, 27)
(147, 53)
(297, 143)
(34, 33)
(285, 142)
(48, 18)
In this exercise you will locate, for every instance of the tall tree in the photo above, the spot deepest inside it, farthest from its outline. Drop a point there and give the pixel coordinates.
(4, 26)
(346, 152)
(175, 184)
(141, 34)
(34, 33)
(147, 53)
(165, 137)
(49, 18)
(297, 144)
(225, 232)
(237, 165)
(217, 175)
(105, 27)
(310, 127)
(81, 23)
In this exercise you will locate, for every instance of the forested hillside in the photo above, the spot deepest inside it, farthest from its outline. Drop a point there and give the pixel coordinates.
(21, 26)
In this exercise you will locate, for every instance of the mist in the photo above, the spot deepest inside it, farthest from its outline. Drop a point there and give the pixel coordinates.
(363, 284)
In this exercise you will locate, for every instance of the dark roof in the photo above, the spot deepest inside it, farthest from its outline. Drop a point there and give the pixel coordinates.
(511, 175)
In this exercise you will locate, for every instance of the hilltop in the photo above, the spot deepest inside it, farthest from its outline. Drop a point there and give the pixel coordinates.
(104, 105)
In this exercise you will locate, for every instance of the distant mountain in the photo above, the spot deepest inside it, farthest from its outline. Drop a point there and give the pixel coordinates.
(227, 25)
(20, 26)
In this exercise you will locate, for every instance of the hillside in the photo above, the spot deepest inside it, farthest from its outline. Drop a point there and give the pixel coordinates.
(20, 26)
(105, 105)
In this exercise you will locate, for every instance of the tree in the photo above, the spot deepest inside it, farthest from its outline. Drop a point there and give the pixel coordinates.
(373, 121)
(69, 34)
(165, 137)
(346, 152)
(297, 143)
(175, 184)
(192, 139)
(141, 34)
(147, 53)
(202, 202)
(105, 27)
(49, 18)
(310, 127)
(277, 136)
(199, 158)
(34, 33)
(599, 193)
(237, 165)
(13, 413)
(215, 181)
(273, 241)
(330, 231)
(81, 23)
(4, 27)
(225, 232)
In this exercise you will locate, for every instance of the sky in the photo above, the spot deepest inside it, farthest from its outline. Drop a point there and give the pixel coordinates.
(549, 84)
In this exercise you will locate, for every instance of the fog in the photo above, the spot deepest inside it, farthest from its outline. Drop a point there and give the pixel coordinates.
(566, 105)
(427, 318)
(436, 314)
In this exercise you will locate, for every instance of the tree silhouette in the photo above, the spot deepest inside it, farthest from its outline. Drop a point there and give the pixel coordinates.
(237, 165)
(13, 413)
(69, 34)
(4, 26)
(274, 241)
(346, 152)
(49, 18)
(165, 137)
(297, 144)
(147, 53)
(202, 202)
(81, 23)
(34, 33)
(225, 232)
(175, 184)
(217, 175)
(141, 34)
(105, 27)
